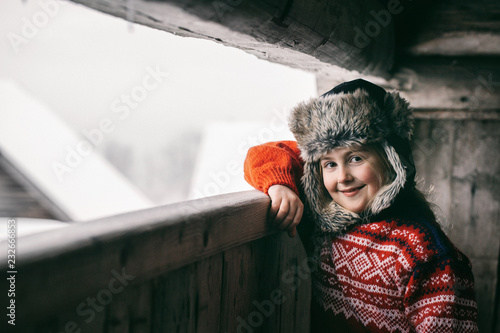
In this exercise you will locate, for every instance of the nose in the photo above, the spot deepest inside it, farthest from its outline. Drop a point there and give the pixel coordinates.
(343, 175)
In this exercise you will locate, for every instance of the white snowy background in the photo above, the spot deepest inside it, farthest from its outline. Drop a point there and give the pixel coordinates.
(185, 138)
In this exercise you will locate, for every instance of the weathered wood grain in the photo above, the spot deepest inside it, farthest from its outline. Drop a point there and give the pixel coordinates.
(16, 200)
(294, 280)
(251, 300)
(468, 86)
(129, 311)
(449, 27)
(496, 311)
(450, 84)
(456, 114)
(77, 262)
(189, 299)
(175, 305)
(233, 291)
(460, 158)
(208, 294)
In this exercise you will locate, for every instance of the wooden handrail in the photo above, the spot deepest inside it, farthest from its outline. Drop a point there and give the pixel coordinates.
(60, 267)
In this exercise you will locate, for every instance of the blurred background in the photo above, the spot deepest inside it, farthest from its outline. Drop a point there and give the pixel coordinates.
(178, 113)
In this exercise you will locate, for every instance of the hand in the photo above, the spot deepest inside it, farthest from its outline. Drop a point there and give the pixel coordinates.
(286, 208)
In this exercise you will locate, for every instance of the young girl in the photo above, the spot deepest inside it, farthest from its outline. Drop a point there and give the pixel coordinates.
(384, 265)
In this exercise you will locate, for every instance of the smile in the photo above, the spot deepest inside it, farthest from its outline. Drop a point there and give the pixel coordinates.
(351, 191)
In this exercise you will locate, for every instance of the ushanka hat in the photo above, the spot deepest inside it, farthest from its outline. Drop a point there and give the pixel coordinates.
(353, 113)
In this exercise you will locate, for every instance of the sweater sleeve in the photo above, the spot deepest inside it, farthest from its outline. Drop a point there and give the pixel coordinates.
(274, 163)
(440, 296)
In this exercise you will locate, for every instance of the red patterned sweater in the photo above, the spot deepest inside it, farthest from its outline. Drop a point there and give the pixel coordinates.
(391, 275)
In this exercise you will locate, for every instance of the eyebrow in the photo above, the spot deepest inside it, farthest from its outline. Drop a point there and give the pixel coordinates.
(329, 158)
(361, 151)
(325, 158)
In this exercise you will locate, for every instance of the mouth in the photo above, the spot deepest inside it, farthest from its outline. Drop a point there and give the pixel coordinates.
(352, 191)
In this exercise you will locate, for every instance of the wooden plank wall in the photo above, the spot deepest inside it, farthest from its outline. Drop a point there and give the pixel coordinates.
(456, 147)
(228, 292)
(16, 201)
(460, 159)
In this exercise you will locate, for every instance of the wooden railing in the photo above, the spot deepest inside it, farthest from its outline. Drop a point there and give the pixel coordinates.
(209, 265)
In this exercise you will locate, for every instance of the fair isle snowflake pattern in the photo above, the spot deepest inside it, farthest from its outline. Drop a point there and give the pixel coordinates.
(397, 276)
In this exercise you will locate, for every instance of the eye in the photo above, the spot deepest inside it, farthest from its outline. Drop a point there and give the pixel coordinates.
(329, 165)
(355, 159)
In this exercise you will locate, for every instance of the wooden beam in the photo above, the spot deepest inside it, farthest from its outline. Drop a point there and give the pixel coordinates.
(313, 36)
(449, 27)
(457, 114)
(434, 85)
(453, 83)
(74, 262)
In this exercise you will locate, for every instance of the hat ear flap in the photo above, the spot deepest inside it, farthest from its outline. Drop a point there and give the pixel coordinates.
(398, 112)
(300, 120)
(313, 186)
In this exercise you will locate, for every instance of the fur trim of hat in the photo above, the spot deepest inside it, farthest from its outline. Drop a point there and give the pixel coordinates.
(358, 116)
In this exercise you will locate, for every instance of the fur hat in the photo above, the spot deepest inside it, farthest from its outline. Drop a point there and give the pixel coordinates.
(355, 112)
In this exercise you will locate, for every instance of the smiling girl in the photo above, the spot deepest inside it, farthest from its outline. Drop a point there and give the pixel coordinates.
(352, 178)
(383, 262)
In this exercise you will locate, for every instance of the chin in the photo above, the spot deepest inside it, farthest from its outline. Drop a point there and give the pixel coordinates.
(355, 209)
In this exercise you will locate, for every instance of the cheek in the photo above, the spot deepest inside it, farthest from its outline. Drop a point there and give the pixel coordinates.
(329, 182)
(370, 177)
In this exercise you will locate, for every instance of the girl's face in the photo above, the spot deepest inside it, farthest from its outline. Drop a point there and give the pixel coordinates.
(351, 178)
